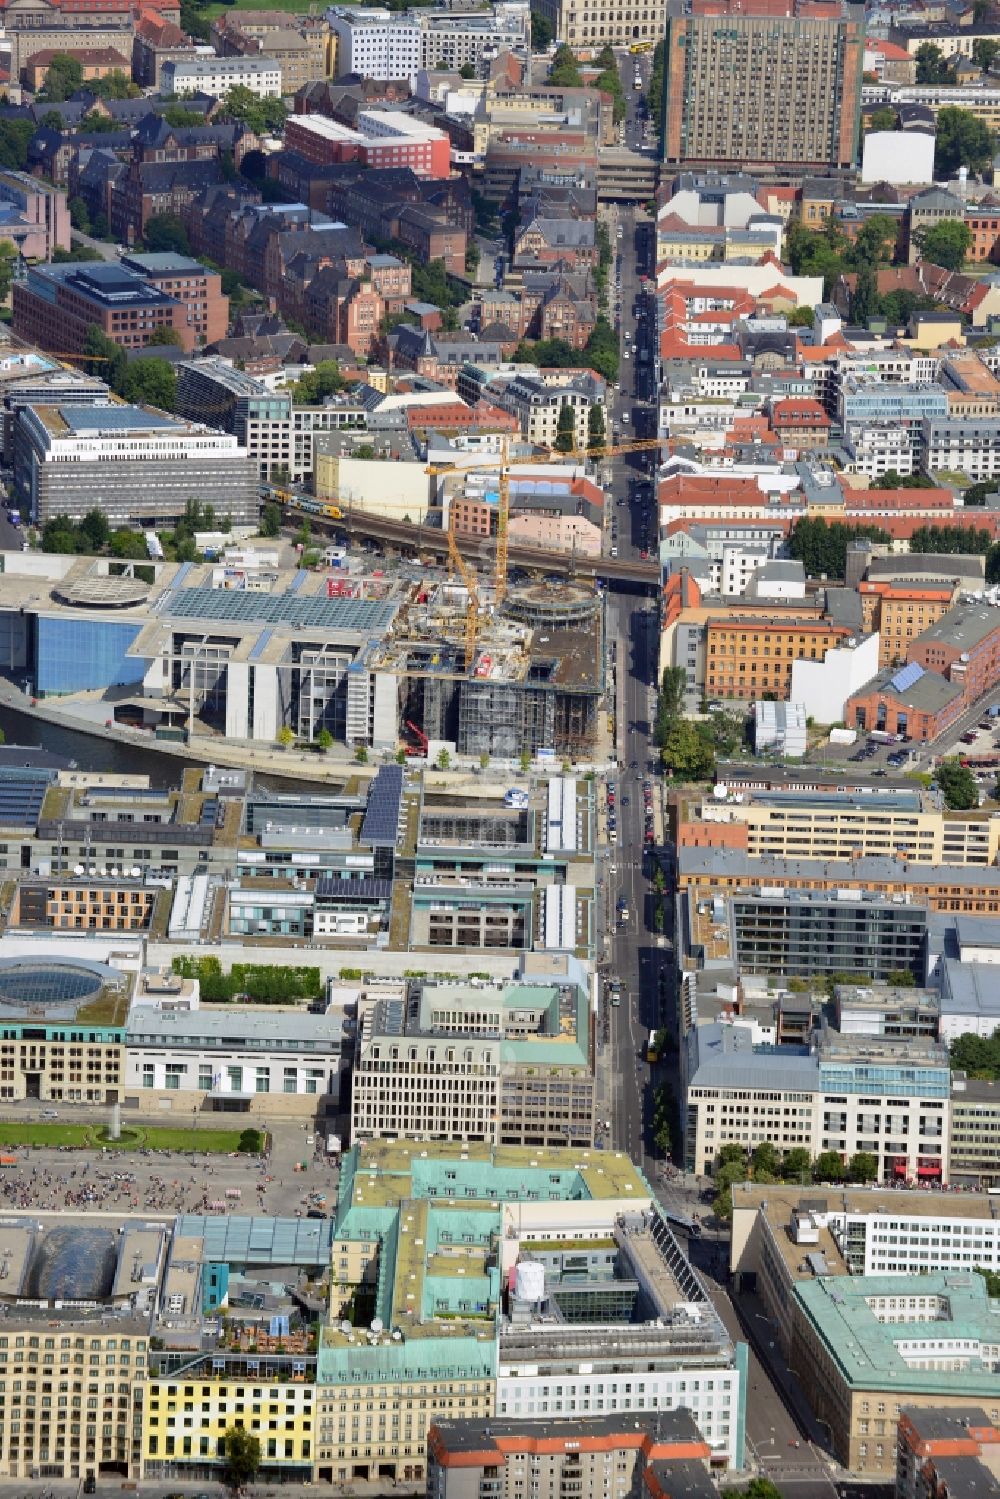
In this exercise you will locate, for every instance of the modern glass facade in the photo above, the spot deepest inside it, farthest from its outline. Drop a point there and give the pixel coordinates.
(75, 655)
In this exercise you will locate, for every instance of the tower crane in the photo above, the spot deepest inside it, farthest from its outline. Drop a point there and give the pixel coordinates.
(456, 560)
(548, 455)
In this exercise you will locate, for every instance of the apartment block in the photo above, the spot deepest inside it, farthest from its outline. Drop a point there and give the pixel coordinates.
(503, 1062)
(752, 657)
(945, 1453)
(466, 1459)
(217, 75)
(900, 609)
(962, 445)
(764, 85)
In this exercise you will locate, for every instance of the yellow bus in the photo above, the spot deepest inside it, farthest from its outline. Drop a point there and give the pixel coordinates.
(637, 47)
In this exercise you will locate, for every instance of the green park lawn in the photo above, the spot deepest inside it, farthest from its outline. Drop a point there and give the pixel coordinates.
(294, 7)
(93, 1137)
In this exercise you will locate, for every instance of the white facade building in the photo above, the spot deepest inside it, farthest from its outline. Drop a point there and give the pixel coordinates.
(823, 687)
(377, 44)
(217, 75)
(877, 449)
(901, 157)
(235, 1059)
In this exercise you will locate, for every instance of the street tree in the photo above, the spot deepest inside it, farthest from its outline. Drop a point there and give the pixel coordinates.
(828, 1167)
(863, 1167)
(242, 1456)
(565, 429)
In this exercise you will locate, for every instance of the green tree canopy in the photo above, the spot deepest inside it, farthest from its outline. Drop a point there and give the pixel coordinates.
(883, 118)
(541, 32)
(932, 65)
(601, 350)
(876, 241)
(8, 259)
(686, 753)
(863, 1167)
(961, 139)
(821, 546)
(828, 1167)
(958, 785)
(116, 85)
(242, 1458)
(796, 1163)
(262, 116)
(14, 138)
(322, 381)
(596, 430)
(165, 233)
(63, 78)
(979, 1056)
(945, 243)
(565, 70)
(150, 382)
(566, 429)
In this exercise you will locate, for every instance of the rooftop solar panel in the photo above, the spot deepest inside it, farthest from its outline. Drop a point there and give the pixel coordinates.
(380, 825)
(311, 611)
(906, 676)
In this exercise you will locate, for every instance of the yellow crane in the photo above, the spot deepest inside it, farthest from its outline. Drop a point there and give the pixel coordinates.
(548, 455)
(465, 572)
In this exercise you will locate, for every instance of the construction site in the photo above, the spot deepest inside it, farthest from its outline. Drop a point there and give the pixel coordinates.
(498, 678)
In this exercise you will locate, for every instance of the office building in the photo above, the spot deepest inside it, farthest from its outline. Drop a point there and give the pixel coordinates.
(183, 1057)
(750, 657)
(876, 1303)
(765, 85)
(378, 44)
(63, 1025)
(503, 1062)
(78, 1302)
(277, 433)
(788, 822)
(380, 138)
(974, 1140)
(434, 1234)
(33, 214)
(901, 608)
(582, 25)
(132, 463)
(800, 933)
(866, 1346)
(217, 75)
(187, 281)
(884, 1096)
(599, 1454)
(56, 306)
(706, 872)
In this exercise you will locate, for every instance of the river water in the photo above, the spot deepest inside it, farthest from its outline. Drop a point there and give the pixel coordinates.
(93, 753)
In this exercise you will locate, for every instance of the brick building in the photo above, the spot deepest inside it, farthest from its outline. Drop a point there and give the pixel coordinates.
(380, 139)
(188, 282)
(57, 305)
(900, 609)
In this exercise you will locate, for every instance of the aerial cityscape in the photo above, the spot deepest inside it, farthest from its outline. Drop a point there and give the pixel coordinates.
(500, 749)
